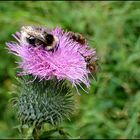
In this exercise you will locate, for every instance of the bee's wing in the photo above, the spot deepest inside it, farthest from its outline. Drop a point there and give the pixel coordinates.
(41, 38)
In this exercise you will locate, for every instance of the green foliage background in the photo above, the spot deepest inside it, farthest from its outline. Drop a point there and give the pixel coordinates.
(112, 109)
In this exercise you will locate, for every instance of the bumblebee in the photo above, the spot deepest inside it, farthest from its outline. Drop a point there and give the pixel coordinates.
(36, 36)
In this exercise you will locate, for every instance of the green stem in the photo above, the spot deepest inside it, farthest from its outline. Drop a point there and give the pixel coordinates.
(36, 132)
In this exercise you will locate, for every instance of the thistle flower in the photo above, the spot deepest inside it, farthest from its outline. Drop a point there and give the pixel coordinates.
(66, 62)
(44, 96)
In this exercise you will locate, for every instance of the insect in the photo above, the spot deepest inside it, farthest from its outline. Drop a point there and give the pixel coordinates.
(77, 37)
(92, 64)
(36, 36)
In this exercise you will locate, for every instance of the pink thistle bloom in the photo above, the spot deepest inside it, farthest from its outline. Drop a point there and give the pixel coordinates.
(67, 62)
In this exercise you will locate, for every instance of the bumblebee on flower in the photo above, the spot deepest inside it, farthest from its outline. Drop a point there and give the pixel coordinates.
(49, 57)
(46, 53)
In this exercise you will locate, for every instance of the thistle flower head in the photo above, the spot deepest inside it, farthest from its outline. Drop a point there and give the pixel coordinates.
(47, 101)
(66, 61)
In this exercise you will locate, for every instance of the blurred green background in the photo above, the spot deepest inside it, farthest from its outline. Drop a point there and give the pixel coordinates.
(112, 109)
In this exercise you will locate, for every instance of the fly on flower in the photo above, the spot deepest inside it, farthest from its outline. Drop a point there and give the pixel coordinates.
(78, 37)
(37, 36)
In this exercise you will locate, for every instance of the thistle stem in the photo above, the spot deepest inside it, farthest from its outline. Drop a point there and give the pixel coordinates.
(36, 132)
